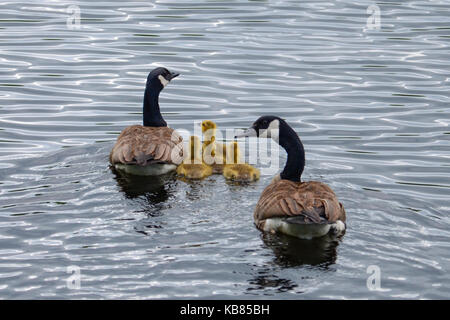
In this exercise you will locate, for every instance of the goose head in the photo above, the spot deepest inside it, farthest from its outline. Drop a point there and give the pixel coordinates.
(160, 77)
(156, 81)
(276, 128)
(264, 127)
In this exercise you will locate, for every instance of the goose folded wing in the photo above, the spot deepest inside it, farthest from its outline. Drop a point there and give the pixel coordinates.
(299, 203)
(146, 145)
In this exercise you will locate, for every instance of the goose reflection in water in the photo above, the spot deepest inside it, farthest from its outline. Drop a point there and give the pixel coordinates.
(293, 252)
(196, 189)
(151, 195)
(155, 189)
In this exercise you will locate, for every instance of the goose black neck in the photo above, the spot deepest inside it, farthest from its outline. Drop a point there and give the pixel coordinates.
(295, 163)
(152, 115)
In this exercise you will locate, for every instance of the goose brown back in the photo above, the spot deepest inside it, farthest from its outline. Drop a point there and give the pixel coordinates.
(313, 202)
(147, 145)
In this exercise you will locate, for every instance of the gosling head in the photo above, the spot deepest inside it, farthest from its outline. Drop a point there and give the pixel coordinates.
(208, 125)
(264, 127)
(160, 77)
(209, 131)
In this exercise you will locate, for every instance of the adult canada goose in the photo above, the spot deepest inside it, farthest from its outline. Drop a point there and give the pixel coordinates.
(193, 166)
(214, 153)
(234, 169)
(153, 148)
(288, 205)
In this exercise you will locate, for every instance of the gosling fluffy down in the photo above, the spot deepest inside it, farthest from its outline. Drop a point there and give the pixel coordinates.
(234, 170)
(193, 167)
(214, 153)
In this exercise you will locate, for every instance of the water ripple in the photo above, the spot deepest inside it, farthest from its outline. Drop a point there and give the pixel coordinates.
(371, 107)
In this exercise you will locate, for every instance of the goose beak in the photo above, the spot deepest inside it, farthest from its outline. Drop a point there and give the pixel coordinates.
(250, 132)
(173, 75)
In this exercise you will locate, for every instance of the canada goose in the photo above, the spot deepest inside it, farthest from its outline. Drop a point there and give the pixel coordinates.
(234, 170)
(214, 153)
(288, 205)
(153, 148)
(193, 166)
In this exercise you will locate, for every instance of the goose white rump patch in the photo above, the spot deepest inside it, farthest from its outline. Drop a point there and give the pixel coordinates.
(338, 227)
(302, 231)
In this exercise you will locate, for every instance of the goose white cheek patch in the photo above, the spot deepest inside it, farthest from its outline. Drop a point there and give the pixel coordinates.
(272, 131)
(163, 80)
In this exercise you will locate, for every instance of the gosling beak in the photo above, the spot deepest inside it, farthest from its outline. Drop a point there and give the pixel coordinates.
(173, 75)
(250, 132)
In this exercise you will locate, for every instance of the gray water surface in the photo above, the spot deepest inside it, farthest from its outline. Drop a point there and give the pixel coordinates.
(371, 107)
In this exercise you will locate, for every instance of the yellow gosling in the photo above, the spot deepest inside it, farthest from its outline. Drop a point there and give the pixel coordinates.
(193, 167)
(234, 170)
(214, 153)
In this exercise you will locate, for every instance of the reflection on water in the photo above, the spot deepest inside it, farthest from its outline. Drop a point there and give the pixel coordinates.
(291, 252)
(371, 107)
(150, 194)
(265, 281)
(292, 255)
(155, 189)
